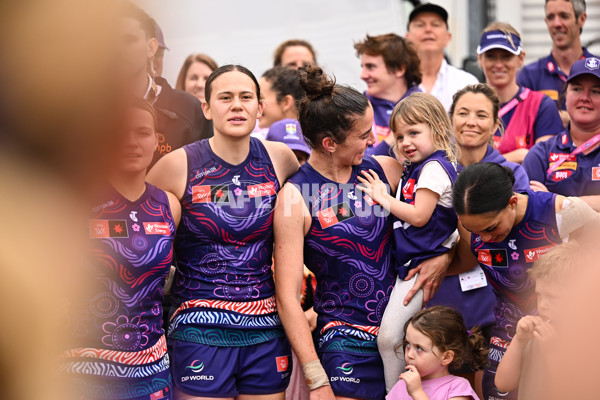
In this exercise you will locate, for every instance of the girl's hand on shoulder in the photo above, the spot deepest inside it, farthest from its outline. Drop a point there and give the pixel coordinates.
(412, 379)
(373, 186)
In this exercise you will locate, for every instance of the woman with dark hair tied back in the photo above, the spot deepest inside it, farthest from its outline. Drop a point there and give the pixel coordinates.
(226, 337)
(505, 232)
(343, 237)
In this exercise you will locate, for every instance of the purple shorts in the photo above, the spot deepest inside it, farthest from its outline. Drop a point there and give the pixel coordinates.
(209, 371)
(359, 376)
(497, 350)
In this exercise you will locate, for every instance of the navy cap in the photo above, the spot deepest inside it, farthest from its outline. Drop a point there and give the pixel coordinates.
(499, 40)
(288, 131)
(429, 7)
(586, 66)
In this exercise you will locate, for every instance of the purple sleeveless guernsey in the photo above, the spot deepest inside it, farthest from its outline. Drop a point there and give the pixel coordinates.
(505, 263)
(415, 245)
(121, 348)
(348, 248)
(224, 290)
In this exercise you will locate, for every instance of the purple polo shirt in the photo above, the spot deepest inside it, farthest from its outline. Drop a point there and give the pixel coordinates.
(545, 76)
(577, 176)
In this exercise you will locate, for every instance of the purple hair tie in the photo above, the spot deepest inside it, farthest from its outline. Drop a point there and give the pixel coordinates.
(468, 332)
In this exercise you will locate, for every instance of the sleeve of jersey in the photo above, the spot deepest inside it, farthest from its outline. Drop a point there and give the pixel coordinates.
(434, 177)
(534, 163)
(547, 121)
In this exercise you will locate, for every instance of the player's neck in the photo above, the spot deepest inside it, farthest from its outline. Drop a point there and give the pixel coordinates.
(566, 57)
(521, 208)
(329, 167)
(233, 150)
(581, 134)
(131, 186)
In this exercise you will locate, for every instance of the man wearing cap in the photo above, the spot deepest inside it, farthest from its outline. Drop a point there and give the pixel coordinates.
(428, 32)
(528, 116)
(390, 68)
(288, 131)
(569, 164)
(565, 20)
(180, 119)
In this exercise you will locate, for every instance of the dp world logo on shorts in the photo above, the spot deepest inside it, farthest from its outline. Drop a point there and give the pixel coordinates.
(346, 368)
(195, 367)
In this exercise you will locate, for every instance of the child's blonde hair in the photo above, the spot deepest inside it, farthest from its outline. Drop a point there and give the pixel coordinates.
(423, 108)
(560, 262)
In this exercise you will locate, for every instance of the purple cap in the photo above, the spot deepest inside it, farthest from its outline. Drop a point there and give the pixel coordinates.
(288, 131)
(498, 40)
(586, 66)
(160, 37)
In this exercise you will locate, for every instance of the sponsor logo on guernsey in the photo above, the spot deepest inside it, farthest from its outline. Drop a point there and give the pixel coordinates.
(200, 174)
(561, 175)
(103, 228)
(261, 189)
(133, 216)
(532, 255)
(333, 215)
(346, 369)
(408, 189)
(210, 194)
(511, 244)
(493, 258)
(161, 394)
(157, 228)
(351, 195)
(564, 139)
(554, 157)
(197, 367)
(282, 363)
(596, 173)
(236, 180)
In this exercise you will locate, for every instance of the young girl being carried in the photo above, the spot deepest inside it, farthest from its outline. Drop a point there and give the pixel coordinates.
(426, 225)
(435, 339)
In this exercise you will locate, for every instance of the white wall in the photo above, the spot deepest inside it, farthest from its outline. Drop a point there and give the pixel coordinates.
(247, 32)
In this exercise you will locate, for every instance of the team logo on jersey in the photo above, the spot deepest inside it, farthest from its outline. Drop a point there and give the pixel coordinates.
(210, 194)
(283, 363)
(562, 174)
(195, 367)
(592, 63)
(532, 255)
(408, 190)
(596, 173)
(157, 228)
(333, 215)
(261, 189)
(236, 180)
(493, 258)
(346, 368)
(103, 228)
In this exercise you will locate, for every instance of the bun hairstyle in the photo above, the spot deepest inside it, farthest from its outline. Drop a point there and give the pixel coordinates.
(446, 329)
(481, 188)
(327, 109)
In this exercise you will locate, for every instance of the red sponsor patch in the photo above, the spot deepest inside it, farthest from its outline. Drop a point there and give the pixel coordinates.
(157, 228)
(596, 174)
(497, 141)
(493, 258)
(262, 189)
(408, 190)
(157, 395)
(564, 139)
(99, 228)
(282, 363)
(521, 142)
(496, 341)
(532, 255)
(103, 228)
(369, 200)
(562, 174)
(201, 194)
(553, 157)
(327, 218)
